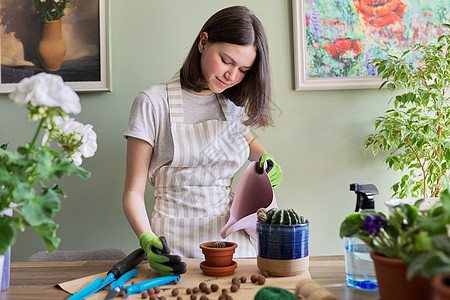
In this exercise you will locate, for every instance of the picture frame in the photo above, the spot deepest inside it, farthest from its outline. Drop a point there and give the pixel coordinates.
(85, 31)
(334, 41)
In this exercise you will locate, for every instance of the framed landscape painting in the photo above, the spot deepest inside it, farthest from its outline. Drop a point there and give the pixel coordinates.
(335, 40)
(84, 30)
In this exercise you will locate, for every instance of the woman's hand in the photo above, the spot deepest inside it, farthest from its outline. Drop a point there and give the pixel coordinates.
(273, 169)
(159, 257)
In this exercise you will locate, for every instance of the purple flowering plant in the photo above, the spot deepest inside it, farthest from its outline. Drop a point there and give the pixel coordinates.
(418, 237)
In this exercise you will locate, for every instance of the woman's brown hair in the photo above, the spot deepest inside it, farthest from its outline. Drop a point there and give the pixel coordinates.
(236, 25)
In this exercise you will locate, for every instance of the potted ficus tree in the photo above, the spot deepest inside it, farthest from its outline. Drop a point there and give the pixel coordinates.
(415, 132)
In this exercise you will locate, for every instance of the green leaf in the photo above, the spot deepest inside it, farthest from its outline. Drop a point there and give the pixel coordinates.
(23, 192)
(423, 242)
(405, 132)
(428, 264)
(416, 266)
(351, 225)
(53, 168)
(375, 150)
(442, 242)
(45, 165)
(47, 231)
(4, 175)
(391, 87)
(7, 233)
(80, 172)
(381, 68)
(41, 209)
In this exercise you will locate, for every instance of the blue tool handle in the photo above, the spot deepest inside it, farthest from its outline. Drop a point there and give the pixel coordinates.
(128, 263)
(140, 287)
(123, 279)
(81, 294)
(93, 287)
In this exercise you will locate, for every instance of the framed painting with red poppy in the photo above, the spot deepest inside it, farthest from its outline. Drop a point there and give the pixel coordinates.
(335, 40)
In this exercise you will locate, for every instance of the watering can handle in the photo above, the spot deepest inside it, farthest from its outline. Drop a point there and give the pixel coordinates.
(268, 163)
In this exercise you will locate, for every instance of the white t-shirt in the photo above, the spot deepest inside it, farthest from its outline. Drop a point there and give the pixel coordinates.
(150, 120)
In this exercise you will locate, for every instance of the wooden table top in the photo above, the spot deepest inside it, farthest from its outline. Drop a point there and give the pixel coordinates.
(39, 280)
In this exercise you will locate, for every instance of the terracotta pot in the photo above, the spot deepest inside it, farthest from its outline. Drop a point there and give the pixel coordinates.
(51, 48)
(392, 282)
(218, 257)
(218, 271)
(442, 287)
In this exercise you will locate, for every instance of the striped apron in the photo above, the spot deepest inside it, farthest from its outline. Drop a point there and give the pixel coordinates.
(193, 193)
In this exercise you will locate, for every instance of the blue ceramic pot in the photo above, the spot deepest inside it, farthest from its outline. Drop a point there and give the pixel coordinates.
(282, 241)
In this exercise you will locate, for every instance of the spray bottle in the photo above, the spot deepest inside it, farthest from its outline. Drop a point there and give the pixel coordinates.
(359, 269)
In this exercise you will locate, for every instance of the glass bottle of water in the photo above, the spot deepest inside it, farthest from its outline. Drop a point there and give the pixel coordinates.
(359, 269)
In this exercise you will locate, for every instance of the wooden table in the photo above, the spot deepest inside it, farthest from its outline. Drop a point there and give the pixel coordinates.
(38, 280)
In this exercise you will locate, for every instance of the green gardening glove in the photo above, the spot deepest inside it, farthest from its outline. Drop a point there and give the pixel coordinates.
(273, 169)
(159, 257)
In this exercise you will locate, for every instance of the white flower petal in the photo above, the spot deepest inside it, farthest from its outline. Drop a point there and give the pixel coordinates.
(47, 90)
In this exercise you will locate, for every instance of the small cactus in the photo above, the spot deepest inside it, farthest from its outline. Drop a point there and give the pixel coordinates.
(218, 245)
(280, 216)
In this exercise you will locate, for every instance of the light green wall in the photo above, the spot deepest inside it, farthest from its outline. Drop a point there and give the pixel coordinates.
(318, 138)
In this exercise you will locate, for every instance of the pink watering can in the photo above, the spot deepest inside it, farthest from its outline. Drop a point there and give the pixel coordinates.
(254, 191)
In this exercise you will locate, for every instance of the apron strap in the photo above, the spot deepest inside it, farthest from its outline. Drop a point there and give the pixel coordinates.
(176, 102)
(175, 99)
(224, 106)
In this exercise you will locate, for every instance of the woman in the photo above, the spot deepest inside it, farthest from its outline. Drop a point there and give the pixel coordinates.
(190, 136)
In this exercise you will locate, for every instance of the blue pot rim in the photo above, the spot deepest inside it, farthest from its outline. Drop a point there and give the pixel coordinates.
(282, 225)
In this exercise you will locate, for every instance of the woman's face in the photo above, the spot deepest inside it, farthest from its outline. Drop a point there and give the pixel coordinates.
(224, 65)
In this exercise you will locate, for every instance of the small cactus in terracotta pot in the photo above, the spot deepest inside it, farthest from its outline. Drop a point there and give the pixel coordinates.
(218, 258)
(218, 254)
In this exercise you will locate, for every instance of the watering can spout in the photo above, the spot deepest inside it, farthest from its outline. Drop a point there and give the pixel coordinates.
(254, 191)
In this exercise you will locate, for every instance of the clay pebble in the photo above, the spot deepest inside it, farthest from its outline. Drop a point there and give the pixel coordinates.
(234, 288)
(254, 278)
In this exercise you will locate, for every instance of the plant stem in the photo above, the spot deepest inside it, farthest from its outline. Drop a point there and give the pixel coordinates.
(36, 134)
(421, 166)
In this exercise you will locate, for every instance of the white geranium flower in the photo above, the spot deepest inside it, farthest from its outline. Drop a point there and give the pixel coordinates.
(89, 146)
(46, 89)
(68, 133)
